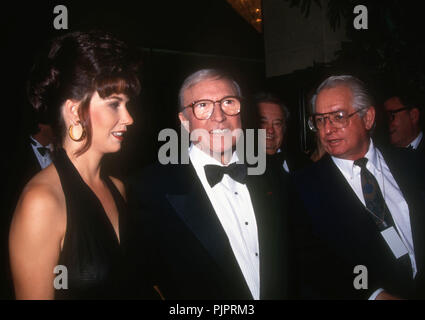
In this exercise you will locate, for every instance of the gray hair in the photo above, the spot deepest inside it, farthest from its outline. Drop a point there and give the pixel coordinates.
(202, 75)
(361, 97)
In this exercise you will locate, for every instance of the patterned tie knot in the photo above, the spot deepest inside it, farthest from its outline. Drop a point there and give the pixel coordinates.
(361, 162)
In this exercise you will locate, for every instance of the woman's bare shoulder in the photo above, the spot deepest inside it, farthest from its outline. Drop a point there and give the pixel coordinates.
(42, 198)
(36, 235)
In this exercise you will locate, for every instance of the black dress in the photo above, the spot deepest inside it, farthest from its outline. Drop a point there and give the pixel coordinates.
(96, 262)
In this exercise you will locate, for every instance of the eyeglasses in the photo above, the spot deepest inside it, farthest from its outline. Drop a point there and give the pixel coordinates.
(391, 113)
(338, 119)
(203, 109)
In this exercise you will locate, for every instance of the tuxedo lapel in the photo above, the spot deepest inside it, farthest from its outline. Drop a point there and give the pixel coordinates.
(196, 211)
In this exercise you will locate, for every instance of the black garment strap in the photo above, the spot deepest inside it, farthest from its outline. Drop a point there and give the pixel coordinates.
(215, 173)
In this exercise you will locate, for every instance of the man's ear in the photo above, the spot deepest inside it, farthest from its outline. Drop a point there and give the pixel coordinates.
(369, 118)
(184, 122)
(414, 115)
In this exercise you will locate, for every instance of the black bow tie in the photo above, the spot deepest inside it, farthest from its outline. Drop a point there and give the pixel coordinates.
(214, 173)
(43, 151)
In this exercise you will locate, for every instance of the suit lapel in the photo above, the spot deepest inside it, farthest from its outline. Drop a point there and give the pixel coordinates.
(345, 210)
(343, 192)
(358, 229)
(195, 209)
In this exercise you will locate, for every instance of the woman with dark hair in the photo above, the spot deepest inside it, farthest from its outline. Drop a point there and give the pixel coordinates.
(69, 229)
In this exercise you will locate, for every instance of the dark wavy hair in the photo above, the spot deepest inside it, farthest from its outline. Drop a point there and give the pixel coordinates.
(76, 66)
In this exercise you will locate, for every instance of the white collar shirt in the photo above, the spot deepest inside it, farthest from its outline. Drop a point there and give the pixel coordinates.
(44, 160)
(233, 206)
(416, 141)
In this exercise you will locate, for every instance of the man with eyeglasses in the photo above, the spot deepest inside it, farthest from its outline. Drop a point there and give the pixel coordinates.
(215, 232)
(403, 122)
(367, 204)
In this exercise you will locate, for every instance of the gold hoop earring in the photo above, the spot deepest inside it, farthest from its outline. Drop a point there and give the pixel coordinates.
(82, 135)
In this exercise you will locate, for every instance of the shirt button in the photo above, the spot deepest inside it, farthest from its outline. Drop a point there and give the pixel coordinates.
(246, 223)
(236, 193)
(256, 254)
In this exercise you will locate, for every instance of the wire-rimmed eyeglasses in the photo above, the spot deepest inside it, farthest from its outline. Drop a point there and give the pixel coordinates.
(338, 119)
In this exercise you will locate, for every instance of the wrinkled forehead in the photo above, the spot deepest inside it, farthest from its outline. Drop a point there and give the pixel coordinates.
(270, 110)
(334, 99)
(211, 89)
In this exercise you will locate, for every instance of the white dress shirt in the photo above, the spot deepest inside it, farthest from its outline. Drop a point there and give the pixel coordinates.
(285, 164)
(45, 160)
(390, 191)
(233, 206)
(415, 143)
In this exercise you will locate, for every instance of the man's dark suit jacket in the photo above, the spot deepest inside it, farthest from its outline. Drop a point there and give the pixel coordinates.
(186, 250)
(340, 219)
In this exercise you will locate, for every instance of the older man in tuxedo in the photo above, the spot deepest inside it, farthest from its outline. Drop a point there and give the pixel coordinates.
(211, 230)
(367, 204)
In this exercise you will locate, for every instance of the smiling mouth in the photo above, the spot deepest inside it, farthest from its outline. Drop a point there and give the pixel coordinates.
(220, 131)
(269, 137)
(118, 134)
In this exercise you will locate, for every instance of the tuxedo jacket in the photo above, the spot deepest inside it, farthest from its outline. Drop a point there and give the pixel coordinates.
(340, 219)
(184, 250)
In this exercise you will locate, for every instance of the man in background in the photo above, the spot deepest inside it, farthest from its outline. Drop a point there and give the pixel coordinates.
(274, 117)
(404, 114)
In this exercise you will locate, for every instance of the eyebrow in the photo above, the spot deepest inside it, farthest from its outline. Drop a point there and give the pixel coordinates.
(116, 98)
(322, 114)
